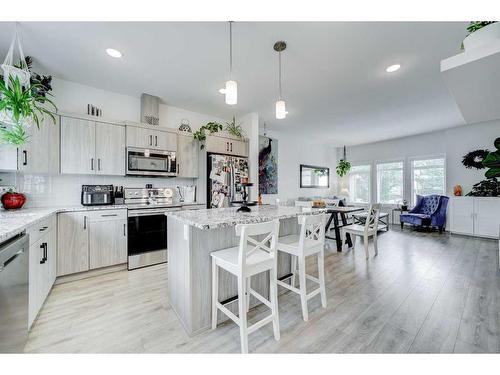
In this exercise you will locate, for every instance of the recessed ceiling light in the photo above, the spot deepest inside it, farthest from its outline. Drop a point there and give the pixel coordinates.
(393, 68)
(113, 53)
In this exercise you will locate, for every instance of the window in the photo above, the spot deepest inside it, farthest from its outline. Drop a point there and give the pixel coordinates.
(428, 177)
(359, 184)
(390, 181)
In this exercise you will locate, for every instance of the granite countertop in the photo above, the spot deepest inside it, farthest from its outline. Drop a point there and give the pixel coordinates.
(216, 218)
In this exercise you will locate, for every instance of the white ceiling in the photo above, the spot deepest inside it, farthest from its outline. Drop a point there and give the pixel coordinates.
(334, 79)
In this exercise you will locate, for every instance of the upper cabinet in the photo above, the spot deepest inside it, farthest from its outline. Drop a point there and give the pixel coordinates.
(91, 147)
(187, 156)
(224, 145)
(155, 139)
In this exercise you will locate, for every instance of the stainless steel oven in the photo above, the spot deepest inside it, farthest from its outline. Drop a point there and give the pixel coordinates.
(146, 162)
(147, 225)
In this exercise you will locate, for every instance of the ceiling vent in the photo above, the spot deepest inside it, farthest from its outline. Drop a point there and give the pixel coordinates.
(150, 109)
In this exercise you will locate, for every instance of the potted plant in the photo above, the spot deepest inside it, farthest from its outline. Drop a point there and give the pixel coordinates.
(200, 134)
(404, 205)
(13, 200)
(234, 129)
(21, 107)
(481, 32)
(344, 166)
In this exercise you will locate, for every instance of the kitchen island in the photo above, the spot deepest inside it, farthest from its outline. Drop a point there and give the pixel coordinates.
(192, 236)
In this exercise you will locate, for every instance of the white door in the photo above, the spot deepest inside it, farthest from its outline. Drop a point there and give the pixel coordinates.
(77, 146)
(487, 216)
(108, 243)
(110, 149)
(462, 215)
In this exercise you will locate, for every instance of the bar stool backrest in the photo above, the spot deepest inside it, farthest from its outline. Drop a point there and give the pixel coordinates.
(267, 237)
(312, 230)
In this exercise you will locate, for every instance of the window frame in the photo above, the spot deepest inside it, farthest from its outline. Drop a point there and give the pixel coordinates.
(389, 161)
(370, 185)
(412, 170)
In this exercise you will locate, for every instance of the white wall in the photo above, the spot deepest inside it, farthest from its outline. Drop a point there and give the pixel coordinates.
(293, 151)
(454, 143)
(70, 97)
(250, 125)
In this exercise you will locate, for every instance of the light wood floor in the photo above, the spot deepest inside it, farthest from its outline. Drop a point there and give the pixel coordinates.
(425, 292)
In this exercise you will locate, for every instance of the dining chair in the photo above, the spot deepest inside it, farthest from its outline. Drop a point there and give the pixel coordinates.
(369, 229)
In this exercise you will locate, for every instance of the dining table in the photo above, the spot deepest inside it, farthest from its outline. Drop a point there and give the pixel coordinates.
(335, 213)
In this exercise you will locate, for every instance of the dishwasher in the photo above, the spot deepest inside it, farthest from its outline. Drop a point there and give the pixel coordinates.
(14, 276)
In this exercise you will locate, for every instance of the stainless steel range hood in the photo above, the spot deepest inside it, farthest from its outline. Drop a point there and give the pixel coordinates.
(150, 109)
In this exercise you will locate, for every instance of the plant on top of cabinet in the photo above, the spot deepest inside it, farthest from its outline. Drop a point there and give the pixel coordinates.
(492, 161)
(200, 135)
(234, 129)
(21, 107)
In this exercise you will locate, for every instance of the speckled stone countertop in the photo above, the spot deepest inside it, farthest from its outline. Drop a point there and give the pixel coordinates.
(227, 217)
(13, 222)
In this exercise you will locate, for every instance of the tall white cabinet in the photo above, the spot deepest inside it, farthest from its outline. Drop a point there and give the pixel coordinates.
(475, 216)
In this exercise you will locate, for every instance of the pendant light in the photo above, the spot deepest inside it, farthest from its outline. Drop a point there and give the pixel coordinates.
(281, 111)
(231, 89)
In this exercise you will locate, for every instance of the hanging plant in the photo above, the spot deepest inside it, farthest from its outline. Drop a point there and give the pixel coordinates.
(201, 136)
(234, 129)
(21, 107)
(474, 159)
(344, 166)
(492, 161)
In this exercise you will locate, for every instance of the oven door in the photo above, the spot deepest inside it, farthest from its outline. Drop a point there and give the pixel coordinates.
(147, 237)
(144, 162)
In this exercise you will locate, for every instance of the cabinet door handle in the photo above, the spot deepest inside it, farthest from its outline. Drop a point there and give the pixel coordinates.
(45, 252)
(43, 260)
(231, 146)
(150, 140)
(156, 140)
(25, 157)
(108, 215)
(178, 168)
(85, 222)
(91, 164)
(99, 164)
(124, 230)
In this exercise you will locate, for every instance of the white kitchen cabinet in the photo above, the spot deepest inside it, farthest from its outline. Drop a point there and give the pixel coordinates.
(475, 216)
(108, 239)
(90, 147)
(72, 243)
(110, 149)
(8, 158)
(229, 146)
(91, 239)
(42, 264)
(77, 146)
(155, 139)
(187, 156)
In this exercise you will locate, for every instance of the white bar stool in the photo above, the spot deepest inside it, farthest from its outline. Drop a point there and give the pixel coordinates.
(310, 241)
(251, 257)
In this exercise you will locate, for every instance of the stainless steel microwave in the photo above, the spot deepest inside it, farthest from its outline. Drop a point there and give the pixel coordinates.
(146, 162)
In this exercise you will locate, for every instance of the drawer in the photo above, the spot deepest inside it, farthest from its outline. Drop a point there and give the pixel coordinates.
(39, 229)
(106, 215)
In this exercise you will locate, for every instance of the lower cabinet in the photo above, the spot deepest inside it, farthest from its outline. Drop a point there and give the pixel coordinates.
(475, 216)
(91, 239)
(42, 264)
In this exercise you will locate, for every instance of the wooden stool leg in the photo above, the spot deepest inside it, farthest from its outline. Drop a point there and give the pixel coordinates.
(303, 289)
(215, 292)
(321, 276)
(242, 311)
(273, 294)
(293, 269)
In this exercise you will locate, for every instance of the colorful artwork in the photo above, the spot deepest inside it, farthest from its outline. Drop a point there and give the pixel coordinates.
(268, 165)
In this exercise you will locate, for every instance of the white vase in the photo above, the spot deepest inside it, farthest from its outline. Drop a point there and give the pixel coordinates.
(483, 36)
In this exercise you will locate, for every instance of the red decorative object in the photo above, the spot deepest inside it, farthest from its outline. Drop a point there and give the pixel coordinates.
(13, 201)
(457, 190)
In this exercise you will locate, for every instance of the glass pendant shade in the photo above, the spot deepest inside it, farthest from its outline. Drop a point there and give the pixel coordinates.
(280, 110)
(231, 92)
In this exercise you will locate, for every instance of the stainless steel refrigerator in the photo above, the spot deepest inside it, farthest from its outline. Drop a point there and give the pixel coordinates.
(225, 175)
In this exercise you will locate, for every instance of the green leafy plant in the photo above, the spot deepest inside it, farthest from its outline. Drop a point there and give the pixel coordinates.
(234, 129)
(492, 161)
(200, 134)
(22, 106)
(343, 167)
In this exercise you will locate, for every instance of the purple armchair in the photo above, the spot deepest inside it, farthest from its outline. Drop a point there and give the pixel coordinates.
(430, 210)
